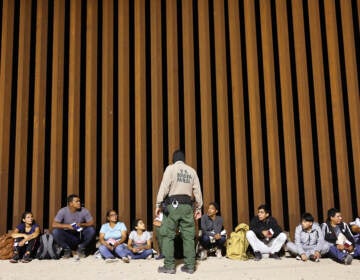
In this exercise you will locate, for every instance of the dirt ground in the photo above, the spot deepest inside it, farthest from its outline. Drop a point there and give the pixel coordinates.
(212, 268)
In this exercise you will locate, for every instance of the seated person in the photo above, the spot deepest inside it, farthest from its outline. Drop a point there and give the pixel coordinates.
(139, 243)
(309, 240)
(73, 228)
(112, 237)
(265, 235)
(340, 239)
(211, 231)
(26, 236)
(355, 227)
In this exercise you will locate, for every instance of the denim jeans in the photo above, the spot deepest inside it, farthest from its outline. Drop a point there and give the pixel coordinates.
(143, 255)
(206, 243)
(120, 251)
(70, 239)
(339, 255)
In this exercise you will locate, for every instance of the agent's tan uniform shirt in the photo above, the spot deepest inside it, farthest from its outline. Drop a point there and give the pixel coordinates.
(180, 179)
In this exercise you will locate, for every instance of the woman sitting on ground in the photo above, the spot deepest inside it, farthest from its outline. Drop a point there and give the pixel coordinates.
(112, 237)
(26, 236)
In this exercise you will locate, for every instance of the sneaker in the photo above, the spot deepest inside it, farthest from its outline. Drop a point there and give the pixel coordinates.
(67, 253)
(159, 257)
(111, 260)
(275, 256)
(218, 253)
(298, 258)
(184, 268)
(15, 258)
(203, 255)
(348, 259)
(163, 269)
(125, 259)
(314, 259)
(81, 252)
(26, 258)
(76, 257)
(149, 257)
(257, 255)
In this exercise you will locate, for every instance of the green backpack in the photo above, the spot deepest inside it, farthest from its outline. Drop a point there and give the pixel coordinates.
(237, 244)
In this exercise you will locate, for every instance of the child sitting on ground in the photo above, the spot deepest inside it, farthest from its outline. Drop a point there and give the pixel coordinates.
(139, 243)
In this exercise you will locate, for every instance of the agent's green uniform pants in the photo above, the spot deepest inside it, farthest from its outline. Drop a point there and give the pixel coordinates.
(181, 217)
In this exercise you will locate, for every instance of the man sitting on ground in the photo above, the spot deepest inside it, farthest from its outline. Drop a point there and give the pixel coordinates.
(265, 235)
(309, 240)
(73, 228)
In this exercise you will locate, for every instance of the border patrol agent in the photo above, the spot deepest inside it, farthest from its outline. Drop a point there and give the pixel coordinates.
(179, 183)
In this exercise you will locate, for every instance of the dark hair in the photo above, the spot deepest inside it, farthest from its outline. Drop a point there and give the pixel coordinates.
(216, 205)
(136, 222)
(307, 217)
(266, 208)
(71, 197)
(23, 216)
(108, 213)
(178, 155)
(331, 213)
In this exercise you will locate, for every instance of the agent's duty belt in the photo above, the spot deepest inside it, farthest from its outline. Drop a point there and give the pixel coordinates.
(180, 198)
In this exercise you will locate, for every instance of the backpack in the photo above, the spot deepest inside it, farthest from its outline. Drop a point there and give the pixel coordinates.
(237, 244)
(6, 247)
(48, 249)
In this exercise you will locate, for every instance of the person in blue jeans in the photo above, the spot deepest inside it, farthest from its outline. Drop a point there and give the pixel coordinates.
(211, 229)
(112, 237)
(343, 247)
(73, 228)
(139, 243)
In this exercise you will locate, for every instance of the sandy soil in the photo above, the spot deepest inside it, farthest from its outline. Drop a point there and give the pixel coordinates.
(212, 268)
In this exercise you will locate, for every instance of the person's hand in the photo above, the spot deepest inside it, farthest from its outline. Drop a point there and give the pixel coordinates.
(22, 242)
(266, 233)
(304, 257)
(69, 226)
(111, 248)
(197, 214)
(317, 254)
(217, 236)
(157, 211)
(350, 248)
(340, 247)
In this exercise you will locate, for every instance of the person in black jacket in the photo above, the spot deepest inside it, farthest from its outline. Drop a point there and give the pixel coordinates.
(265, 235)
(341, 241)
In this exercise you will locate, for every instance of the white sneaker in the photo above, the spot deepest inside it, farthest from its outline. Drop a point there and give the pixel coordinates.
(110, 260)
(203, 255)
(218, 253)
(149, 257)
(76, 258)
(125, 260)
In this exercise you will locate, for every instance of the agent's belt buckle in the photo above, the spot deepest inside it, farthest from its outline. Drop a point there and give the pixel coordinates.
(175, 203)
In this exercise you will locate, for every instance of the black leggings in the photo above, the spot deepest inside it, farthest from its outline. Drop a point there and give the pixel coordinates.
(31, 247)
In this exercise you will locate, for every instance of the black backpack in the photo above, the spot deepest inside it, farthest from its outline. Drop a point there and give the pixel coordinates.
(48, 249)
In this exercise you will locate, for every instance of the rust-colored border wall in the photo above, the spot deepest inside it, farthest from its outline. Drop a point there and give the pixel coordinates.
(262, 95)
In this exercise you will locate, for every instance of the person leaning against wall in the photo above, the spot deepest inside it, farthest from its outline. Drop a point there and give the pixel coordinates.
(309, 240)
(337, 233)
(265, 235)
(179, 183)
(26, 237)
(73, 228)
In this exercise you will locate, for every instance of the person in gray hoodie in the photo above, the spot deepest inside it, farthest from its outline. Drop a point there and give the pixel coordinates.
(309, 240)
